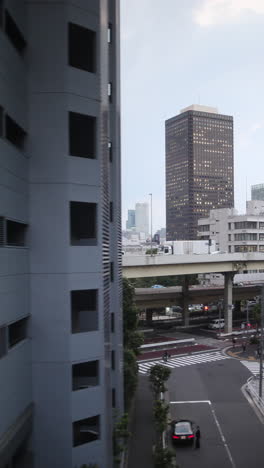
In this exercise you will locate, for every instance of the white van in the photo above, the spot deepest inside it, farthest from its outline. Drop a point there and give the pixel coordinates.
(216, 324)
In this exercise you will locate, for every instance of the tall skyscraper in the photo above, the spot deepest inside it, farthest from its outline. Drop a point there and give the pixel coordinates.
(199, 168)
(60, 233)
(142, 217)
(257, 192)
(131, 219)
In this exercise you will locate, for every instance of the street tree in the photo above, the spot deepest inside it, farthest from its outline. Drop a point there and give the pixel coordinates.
(158, 375)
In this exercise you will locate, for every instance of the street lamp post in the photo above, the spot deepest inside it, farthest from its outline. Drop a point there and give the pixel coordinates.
(150, 194)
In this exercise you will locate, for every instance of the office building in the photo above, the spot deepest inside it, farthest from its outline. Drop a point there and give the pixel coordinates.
(60, 233)
(142, 217)
(131, 219)
(257, 192)
(233, 232)
(199, 168)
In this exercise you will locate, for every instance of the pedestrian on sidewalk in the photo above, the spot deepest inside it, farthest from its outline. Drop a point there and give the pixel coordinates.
(165, 356)
(197, 437)
(234, 341)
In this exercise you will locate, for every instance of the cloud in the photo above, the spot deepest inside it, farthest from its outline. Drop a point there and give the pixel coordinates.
(212, 12)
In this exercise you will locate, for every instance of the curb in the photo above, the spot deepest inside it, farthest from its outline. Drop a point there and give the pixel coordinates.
(240, 358)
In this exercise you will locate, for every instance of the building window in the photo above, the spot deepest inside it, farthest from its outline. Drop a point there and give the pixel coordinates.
(3, 341)
(261, 225)
(82, 135)
(111, 212)
(109, 33)
(229, 237)
(86, 430)
(113, 398)
(84, 310)
(112, 322)
(85, 375)
(112, 271)
(245, 236)
(246, 225)
(83, 223)
(204, 227)
(110, 151)
(14, 133)
(229, 226)
(229, 249)
(113, 360)
(15, 233)
(110, 91)
(245, 248)
(261, 249)
(14, 34)
(82, 48)
(17, 332)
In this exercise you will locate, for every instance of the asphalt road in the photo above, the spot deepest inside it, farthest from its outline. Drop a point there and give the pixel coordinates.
(232, 436)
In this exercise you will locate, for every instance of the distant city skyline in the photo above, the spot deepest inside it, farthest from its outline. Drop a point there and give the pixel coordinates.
(158, 80)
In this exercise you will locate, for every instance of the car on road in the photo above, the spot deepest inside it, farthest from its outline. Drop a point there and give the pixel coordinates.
(216, 324)
(157, 286)
(182, 431)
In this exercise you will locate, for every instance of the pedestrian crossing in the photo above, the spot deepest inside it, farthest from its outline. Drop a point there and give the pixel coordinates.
(174, 362)
(253, 366)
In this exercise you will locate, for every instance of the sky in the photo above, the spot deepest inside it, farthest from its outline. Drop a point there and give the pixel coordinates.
(176, 53)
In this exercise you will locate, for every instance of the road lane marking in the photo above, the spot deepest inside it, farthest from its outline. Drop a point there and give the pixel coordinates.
(216, 422)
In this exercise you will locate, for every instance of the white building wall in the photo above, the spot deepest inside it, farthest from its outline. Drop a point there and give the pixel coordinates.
(142, 217)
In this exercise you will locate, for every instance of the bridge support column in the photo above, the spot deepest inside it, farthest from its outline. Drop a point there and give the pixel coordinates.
(228, 300)
(185, 301)
(149, 313)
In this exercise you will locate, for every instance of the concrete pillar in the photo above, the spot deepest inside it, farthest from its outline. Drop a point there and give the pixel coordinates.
(185, 301)
(149, 313)
(228, 298)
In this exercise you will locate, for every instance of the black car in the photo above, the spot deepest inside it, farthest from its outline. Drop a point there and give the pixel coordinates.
(182, 431)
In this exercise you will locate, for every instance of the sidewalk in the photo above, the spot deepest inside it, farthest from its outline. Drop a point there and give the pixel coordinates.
(142, 428)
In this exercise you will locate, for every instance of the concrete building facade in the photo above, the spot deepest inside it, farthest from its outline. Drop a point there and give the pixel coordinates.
(257, 192)
(199, 168)
(142, 217)
(131, 219)
(60, 233)
(233, 232)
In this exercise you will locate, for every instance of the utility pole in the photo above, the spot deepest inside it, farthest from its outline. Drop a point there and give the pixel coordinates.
(261, 342)
(151, 224)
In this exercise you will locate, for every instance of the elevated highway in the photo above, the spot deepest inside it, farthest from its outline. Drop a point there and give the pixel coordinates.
(165, 297)
(165, 265)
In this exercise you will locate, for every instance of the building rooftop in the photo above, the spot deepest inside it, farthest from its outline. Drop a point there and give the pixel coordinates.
(197, 107)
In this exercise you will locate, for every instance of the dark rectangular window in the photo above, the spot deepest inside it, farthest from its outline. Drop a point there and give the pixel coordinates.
(86, 430)
(84, 310)
(113, 360)
(14, 33)
(82, 48)
(17, 332)
(14, 133)
(83, 223)
(112, 271)
(110, 151)
(15, 233)
(82, 135)
(111, 212)
(113, 398)
(112, 322)
(85, 375)
(3, 341)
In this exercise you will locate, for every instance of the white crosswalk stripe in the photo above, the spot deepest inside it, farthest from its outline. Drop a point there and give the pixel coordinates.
(253, 366)
(182, 361)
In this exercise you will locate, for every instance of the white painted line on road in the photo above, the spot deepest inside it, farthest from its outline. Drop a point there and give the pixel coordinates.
(216, 422)
(190, 401)
(222, 437)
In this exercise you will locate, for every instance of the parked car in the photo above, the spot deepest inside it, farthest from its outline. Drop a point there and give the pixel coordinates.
(157, 286)
(216, 324)
(176, 309)
(182, 431)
